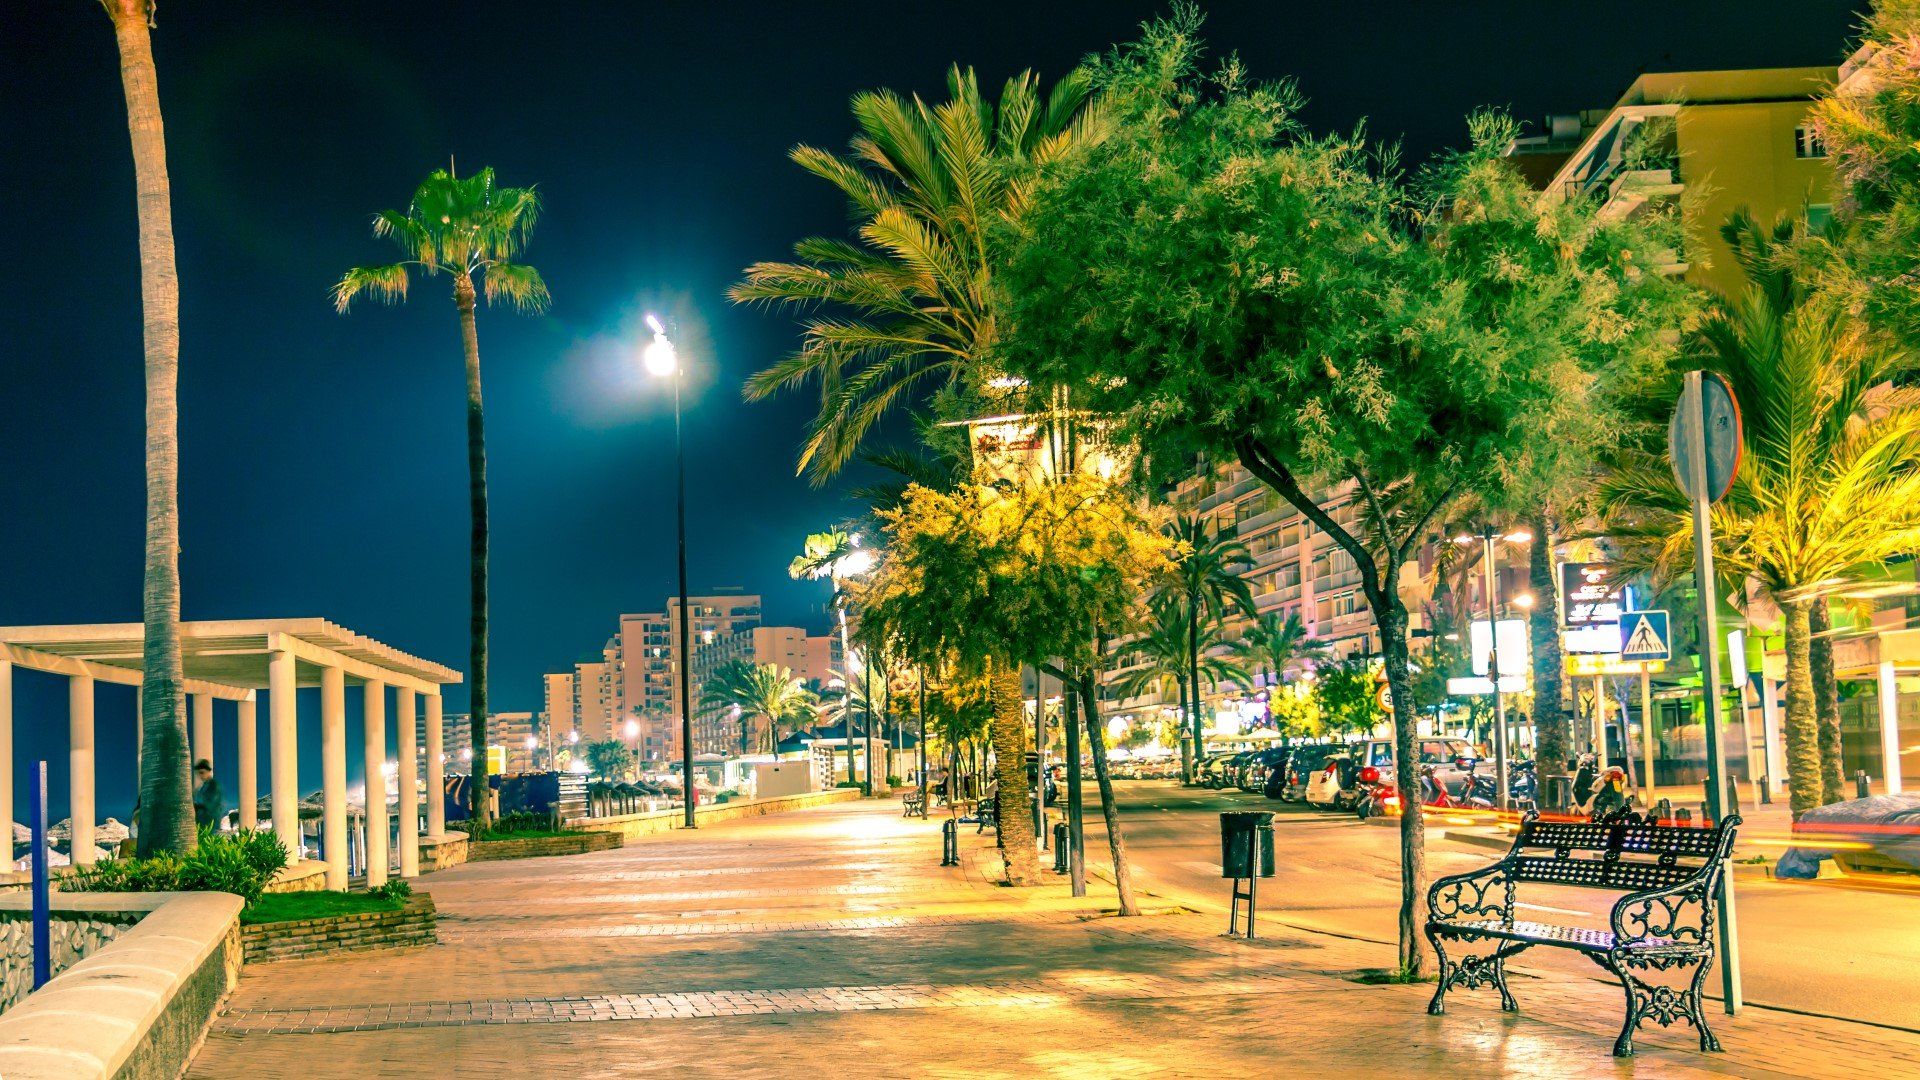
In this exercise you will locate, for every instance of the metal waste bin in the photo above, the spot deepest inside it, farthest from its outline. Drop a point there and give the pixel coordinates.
(1238, 832)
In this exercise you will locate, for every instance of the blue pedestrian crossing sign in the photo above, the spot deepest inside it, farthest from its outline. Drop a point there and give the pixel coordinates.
(1644, 637)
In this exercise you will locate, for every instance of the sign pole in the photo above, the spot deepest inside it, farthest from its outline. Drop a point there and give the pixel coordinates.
(1493, 669)
(1646, 734)
(42, 895)
(1693, 422)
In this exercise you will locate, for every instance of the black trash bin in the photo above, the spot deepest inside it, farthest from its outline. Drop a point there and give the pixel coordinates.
(1238, 830)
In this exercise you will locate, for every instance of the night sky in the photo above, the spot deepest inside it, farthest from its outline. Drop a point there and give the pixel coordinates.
(323, 457)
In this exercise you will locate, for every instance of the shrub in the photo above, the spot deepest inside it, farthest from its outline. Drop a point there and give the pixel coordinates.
(241, 863)
(520, 821)
(396, 889)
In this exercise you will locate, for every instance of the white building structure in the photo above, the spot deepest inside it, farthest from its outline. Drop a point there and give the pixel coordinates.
(232, 660)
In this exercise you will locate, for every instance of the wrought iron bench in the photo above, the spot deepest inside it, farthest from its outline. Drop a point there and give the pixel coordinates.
(1664, 921)
(987, 813)
(913, 803)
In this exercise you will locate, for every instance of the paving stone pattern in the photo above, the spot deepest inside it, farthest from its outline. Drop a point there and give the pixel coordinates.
(833, 944)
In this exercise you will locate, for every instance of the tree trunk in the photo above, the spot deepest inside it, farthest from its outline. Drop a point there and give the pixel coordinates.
(479, 802)
(1193, 680)
(1010, 769)
(1116, 842)
(1804, 787)
(165, 817)
(1826, 703)
(1413, 841)
(1553, 731)
(1180, 734)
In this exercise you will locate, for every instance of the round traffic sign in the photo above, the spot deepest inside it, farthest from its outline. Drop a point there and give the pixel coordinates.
(1706, 425)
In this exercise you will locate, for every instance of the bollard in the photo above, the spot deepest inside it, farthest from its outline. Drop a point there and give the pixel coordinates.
(950, 843)
(1663, 811)
(1860, 788)
(1061, 843)
(1765, 788)
(1683, 816)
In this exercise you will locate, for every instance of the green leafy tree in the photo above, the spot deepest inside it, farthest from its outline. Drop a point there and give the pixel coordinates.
(983, 580)
(610, 759)
(1207, 586)
(1295, 710)
(1348, 696)
(772, 703)
(831, 555)
(469, 229)
(1223, 283)
(908, 302)
(1829, 485)
(166, 801)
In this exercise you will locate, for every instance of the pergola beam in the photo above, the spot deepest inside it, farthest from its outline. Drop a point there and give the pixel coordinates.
(21, 656)
(359, 670)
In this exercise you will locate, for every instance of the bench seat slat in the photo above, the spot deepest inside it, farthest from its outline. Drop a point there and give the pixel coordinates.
(1579, 937)
(1620, 874)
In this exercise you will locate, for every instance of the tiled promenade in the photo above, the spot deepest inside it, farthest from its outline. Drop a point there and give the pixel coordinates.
(831, 943)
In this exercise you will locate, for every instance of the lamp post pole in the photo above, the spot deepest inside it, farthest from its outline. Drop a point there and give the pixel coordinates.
(691, 796)
(1493, 669)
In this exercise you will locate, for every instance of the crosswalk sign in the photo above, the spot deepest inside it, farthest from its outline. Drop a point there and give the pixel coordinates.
(1644, 636)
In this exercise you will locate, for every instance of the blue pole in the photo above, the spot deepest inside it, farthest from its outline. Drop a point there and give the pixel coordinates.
(42, 896)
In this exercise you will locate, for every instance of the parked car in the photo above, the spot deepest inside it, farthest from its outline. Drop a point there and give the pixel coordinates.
(1287, 778)
(1209, 772)
(1332, 786)
(1253, 775)
(1447, 756)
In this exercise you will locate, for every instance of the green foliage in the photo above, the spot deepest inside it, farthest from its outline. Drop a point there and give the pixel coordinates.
(610, 759)
(523, 823)
(393, 889)
(982, 578)
(1347, 694)
(760, 692)
(319, 904)
(467, 227)
(1278, 644)
(1295, 710)
(241, 863)
(908, 304)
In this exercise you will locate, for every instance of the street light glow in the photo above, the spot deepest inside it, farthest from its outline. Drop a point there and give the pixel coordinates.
(659, 357)
(1521, 537)
(631, 729)
(1524, 600)
(653, 323)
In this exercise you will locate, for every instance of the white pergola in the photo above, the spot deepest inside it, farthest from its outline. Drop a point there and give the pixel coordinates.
(231, 660)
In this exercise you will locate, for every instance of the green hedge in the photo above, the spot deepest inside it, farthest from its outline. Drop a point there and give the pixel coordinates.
(242, 863)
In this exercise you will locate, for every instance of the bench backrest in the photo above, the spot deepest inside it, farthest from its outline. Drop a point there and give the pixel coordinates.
(1627, 856)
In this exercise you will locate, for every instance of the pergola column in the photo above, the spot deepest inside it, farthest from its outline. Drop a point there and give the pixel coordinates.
(80, 765)
(333, 774)
(375, 761)
(1890, 727)
(202, 727)
(282, 716)
(247, 776)
(436, 771)
(6, 750)
(407, 776)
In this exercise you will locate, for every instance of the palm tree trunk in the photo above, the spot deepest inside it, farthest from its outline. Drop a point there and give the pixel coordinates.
(1180, 736)
(1116, 842)
(1804, 786)
(165, 817)
(1009, 735)
(1193, 678)
(1826, 703)
(1553, 729)
(481, 805)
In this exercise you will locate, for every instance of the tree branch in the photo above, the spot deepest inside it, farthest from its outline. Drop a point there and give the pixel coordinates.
(1281, 479)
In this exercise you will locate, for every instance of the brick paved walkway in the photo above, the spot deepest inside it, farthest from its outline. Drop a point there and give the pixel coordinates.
(831, 942)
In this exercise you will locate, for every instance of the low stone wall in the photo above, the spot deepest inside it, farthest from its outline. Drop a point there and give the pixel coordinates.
(137, 1007)
(307, 875)
(632, 826)
(74, 935)
(301, 938)
(534, 847)
(442, 852)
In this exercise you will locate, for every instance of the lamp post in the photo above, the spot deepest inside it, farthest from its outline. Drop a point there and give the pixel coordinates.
(1485, 539)
(663, 361)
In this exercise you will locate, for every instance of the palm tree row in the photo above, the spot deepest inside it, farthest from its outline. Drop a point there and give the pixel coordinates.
(772, 703)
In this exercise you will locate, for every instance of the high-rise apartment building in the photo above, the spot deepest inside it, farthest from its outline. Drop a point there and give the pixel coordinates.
(807, 657)
(562, 715)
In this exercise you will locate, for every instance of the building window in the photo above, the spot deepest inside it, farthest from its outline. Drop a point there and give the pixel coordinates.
(1807, 143)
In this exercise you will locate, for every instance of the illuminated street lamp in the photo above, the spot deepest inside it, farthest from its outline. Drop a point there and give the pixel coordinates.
(1485, 538)
(663, 361)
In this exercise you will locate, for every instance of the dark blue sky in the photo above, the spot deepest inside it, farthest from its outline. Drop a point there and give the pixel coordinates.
(323, 468)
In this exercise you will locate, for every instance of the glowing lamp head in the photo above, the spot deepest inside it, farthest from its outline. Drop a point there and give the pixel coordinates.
(632, 729)
(654, 324)
(659, 357)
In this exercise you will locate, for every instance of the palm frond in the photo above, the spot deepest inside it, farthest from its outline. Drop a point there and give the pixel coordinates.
(387, 284)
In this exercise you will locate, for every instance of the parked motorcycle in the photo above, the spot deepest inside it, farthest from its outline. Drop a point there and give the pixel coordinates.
(1375, 794)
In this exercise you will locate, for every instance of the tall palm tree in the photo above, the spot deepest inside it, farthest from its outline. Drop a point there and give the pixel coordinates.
(1830, 483)
(911, 294)
(466, 228)
(1277, 644)
(165, 818)
(825, 555)
(766, 692)
(1208, 586)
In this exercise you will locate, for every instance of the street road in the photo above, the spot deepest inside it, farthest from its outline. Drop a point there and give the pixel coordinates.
(1812, 947)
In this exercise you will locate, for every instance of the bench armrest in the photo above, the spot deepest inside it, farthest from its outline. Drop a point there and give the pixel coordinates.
(1676, 915)
(1486, 891)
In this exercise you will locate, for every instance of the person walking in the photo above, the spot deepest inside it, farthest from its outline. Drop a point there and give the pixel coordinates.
(208, 805)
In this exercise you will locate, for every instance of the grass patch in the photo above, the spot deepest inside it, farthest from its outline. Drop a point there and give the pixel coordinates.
(295, 906)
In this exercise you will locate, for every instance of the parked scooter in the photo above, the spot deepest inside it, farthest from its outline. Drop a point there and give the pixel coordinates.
(1522, 784)
(1586, 771)
(1375, 794)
